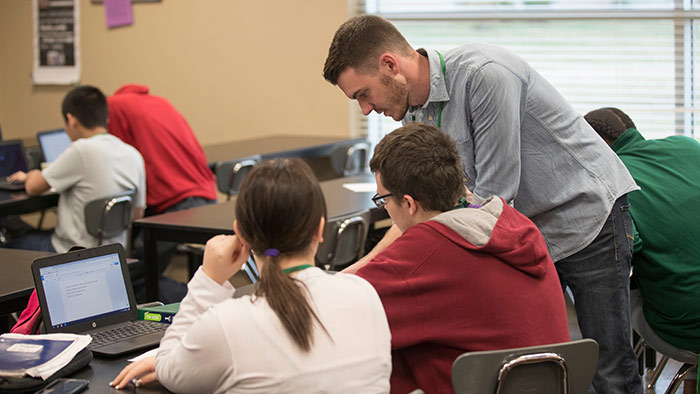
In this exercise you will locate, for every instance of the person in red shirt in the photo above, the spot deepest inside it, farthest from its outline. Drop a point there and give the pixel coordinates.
(461, 277)
(177, 173)
(176, 168)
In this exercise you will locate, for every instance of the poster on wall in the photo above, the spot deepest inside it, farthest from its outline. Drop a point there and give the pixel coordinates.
(56, 42)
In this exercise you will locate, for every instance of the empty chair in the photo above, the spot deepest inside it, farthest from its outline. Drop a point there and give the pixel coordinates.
(110, 216)
(229, 174)
(566, 367)
(350, 159)
(343, 241)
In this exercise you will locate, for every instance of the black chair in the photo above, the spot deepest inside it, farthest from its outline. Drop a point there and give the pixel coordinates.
(350, 159)
(564, 368)
(108, 217)
(344, 241)
(230, 174)
(649, 341)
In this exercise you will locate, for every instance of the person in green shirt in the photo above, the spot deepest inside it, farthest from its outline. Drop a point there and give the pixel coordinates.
(666, 215)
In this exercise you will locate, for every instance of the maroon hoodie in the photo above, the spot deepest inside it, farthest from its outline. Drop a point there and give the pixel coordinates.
(467, 280)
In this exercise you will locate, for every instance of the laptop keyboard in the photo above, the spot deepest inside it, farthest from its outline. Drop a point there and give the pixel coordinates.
(121, 333)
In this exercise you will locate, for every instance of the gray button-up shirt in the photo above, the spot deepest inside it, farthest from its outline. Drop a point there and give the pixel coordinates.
(521, 140)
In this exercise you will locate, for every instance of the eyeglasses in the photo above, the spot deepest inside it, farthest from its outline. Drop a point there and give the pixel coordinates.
(380, 201)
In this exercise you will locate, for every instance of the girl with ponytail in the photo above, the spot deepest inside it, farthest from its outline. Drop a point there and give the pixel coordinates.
(302, 331)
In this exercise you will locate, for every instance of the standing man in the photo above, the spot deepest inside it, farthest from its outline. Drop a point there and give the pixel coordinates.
(95, 165)
(518, 138)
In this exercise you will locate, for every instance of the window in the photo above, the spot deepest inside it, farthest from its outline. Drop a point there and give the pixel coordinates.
(637, 55)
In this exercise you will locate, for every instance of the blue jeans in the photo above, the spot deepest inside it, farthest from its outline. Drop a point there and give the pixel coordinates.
(599, 279)
(37, 240)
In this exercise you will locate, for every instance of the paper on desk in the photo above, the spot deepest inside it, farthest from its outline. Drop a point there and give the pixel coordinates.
(364, 187)
(150, 353)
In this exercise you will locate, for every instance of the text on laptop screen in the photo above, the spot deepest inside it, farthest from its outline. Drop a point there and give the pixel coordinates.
(84, 290)
(53, 144)
(12, 159)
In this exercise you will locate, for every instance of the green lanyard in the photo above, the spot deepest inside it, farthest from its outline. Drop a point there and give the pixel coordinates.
(296, 268)
(442, 103)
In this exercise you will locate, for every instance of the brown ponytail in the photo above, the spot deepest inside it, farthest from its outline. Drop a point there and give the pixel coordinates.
(279, 205)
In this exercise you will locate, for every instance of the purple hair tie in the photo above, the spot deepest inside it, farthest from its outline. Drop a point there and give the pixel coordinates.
(272, 252)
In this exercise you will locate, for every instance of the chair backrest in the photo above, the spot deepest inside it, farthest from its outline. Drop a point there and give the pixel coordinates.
(230, 174)
(34, 157)
(564, 368)
(349, 159)
(109, 216)
(343, 240)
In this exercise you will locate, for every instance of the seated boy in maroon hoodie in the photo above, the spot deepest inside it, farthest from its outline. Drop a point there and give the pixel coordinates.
(460, 278)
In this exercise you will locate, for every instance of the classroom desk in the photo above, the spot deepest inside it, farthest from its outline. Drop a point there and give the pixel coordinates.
(17, 203)
(101, 371)
(316, 151)
(201, 223)
(16, 283)
(274, 146)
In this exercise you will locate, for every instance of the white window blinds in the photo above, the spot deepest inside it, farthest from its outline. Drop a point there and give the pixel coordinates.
(637, 55)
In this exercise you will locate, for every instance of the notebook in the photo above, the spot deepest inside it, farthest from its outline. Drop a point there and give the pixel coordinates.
(53, 143)
(11, 160)
(89, 292)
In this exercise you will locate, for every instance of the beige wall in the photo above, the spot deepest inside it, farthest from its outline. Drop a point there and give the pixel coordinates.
(235, 69)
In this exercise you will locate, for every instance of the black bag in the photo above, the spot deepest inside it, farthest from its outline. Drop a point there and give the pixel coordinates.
(28, 384)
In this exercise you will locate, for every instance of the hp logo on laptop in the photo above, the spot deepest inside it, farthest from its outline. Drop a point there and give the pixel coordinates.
(94, 324)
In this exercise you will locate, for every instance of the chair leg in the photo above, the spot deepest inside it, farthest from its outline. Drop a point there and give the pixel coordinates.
(678, 379)
(193, 262)
(657, 372)
(639, 346)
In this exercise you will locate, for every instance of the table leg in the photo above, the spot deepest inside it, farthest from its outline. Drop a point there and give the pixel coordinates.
(150, 262)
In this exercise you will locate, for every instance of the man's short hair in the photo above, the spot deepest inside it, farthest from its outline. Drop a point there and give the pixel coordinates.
(359, 42)
(87, 104)
(421, 161)
(609, 122)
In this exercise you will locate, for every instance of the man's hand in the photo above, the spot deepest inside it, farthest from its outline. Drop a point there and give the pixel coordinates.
(224, 255)
(140, 372)
(19, 176)
(34, 182)
(389, 237)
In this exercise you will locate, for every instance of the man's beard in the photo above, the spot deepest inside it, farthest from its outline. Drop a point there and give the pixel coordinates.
(397, 97)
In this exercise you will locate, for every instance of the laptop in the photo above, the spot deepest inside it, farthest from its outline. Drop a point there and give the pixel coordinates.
(12, 159)
(89, 292)
(53, 143)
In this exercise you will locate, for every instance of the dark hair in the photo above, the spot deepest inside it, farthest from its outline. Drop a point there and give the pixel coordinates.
(359, 42)
(87, 104)
(279, 205)
(421, 161)
(609, 123)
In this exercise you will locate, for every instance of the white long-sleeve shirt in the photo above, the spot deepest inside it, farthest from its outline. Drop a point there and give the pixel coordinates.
(224, 345)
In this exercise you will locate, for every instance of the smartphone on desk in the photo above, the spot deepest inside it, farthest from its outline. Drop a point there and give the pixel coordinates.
(65, 386)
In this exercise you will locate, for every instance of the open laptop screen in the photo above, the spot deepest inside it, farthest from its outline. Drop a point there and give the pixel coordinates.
(53, 143)
(12, 157)
(84, 290)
